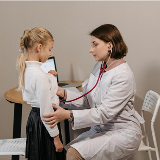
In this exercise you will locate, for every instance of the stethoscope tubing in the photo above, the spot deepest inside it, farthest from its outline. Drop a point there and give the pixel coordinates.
(101, 70)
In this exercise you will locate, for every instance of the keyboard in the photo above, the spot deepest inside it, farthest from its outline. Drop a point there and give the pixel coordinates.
(60, 84)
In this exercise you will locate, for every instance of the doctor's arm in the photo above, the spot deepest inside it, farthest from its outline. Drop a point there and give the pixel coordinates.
(61, 114)
(115, 99)
(67, 95)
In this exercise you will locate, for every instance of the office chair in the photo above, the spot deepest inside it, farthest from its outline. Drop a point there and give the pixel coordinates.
(151, 104)
(13, 146)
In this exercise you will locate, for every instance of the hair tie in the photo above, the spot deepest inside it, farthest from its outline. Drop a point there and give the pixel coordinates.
(20, 50)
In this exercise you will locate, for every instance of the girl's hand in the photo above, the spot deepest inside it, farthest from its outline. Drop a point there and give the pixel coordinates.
(60, 92)
(58, 144)
(54, 117)
(53, 72)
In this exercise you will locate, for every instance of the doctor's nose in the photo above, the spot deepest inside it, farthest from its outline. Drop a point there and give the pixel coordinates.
(91, 50)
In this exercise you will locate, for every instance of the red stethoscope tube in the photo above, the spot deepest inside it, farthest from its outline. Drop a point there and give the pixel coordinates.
(101, 70)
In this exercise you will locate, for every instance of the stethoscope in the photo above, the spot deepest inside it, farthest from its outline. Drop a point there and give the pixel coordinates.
(100, 73)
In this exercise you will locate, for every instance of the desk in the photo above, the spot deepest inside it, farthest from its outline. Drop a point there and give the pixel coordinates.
(13, 96)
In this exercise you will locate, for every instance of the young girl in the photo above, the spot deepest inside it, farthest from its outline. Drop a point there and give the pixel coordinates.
(39, 90)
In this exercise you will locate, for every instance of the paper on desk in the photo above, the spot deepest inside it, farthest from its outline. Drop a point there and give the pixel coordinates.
(74, 89)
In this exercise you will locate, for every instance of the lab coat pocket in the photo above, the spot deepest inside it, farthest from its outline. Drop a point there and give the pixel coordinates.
(127, 139)
(135, 114)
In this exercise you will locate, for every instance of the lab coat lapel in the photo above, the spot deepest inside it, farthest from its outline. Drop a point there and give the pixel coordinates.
(94, 77)
(114, 64)
(92, 81)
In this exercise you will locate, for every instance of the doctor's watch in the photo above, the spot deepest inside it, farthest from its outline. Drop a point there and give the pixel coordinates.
(71, 119)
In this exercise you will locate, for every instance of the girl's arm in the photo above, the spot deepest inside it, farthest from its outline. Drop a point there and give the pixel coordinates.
(42, 90)
(58, 144)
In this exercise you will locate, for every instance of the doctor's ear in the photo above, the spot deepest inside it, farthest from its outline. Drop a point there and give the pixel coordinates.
(110, 45)
(39, 47)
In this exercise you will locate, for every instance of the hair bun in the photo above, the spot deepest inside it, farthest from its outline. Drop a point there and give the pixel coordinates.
(23, 39)
(25, 34)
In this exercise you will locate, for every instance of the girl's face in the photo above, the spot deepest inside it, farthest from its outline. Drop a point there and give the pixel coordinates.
(46, 52)
(99, 49)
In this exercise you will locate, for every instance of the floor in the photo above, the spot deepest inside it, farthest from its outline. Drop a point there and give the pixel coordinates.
(9, 158)
(141, 156)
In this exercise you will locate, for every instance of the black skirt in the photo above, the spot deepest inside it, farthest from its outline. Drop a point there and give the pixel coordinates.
(39, 144)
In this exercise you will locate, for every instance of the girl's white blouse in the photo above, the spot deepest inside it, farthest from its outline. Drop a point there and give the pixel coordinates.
(40, 91)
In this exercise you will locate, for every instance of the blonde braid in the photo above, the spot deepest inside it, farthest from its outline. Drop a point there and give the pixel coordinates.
(21, 61)
(21, 68)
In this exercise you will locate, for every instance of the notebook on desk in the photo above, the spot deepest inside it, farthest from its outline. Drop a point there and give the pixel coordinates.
(50, 64)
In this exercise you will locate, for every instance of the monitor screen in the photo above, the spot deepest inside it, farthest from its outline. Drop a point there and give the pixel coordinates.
(48, 65)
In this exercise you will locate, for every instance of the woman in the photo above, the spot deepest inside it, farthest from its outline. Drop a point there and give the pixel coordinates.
(115, 129)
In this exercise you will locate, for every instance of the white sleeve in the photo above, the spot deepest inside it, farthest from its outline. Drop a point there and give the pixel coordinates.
(43, 95)
(115, 99)
(81, 103)
(53, 88)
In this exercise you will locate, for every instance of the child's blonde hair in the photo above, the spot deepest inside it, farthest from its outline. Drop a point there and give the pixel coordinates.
(36, 35)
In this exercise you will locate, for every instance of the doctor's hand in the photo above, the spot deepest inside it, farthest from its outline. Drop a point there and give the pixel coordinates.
(53, 72)
(54, 117)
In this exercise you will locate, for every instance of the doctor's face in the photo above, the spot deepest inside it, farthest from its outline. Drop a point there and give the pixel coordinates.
(99, 49)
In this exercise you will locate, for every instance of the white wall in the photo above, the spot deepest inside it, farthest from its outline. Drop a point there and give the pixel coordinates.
(70, 23)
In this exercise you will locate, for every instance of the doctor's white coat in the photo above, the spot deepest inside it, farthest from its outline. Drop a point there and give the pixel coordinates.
(115, 129)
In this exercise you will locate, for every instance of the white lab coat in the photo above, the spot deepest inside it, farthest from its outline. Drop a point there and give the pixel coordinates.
(115, 129)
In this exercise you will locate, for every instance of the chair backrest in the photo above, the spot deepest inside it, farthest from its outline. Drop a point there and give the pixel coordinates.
(151, 103)
(13, 146)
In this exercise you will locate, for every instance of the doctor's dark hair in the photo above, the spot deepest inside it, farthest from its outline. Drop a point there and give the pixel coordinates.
(27, 41)
(110, 33)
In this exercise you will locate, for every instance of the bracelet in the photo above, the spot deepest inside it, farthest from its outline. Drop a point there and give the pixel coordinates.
(71, 119)
(63, 97)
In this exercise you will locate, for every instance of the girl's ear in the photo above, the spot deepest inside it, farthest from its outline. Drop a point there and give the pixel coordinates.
(39, 47)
